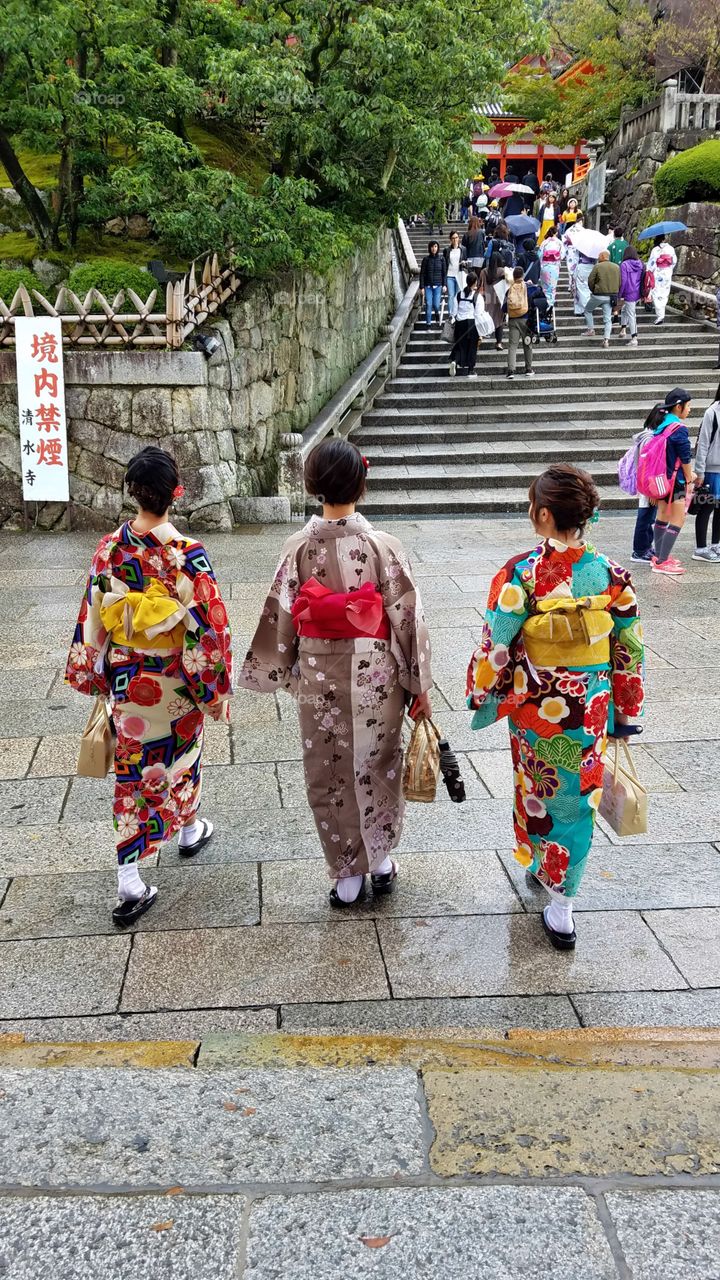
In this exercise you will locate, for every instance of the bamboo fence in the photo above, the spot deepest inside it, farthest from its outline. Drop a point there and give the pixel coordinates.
(127, 321)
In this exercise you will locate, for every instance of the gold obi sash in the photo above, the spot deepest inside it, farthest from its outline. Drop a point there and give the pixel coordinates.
(151, 619)
(569, 633)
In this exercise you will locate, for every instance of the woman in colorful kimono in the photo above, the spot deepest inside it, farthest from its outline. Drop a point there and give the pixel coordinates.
(343, 631)
(562, 657)
(153, 637)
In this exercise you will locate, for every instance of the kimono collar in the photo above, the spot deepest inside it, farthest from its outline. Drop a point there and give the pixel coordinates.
(160, 533)
(351, 524)
(573, 553)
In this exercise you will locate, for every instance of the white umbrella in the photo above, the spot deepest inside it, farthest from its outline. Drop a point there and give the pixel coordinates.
(590, 243)
(522, 190)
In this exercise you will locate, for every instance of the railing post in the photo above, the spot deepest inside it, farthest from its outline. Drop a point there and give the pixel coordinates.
(669, 107)
(291, 481)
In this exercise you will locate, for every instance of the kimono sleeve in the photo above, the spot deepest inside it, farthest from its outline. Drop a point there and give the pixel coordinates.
(409, 639)
(271, 662)
(85, 668)
(207, 648)
(627, 655)
(490, 675)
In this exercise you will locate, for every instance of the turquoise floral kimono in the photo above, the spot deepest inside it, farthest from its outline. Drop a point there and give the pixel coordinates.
(561, 653)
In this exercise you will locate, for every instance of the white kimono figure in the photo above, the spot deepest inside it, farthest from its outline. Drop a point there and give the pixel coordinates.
(662, 262)
(571, 254)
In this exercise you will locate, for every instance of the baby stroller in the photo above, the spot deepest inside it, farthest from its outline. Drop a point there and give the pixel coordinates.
(541, 316)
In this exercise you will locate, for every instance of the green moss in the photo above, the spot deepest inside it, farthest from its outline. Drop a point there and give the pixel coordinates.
(18, 246)
(10, 282)
(692, 175)
(41, 169)
(241, 154)
(110, 275)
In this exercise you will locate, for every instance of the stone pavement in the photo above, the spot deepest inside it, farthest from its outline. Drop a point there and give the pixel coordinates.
(243, 938)
(570, 1155)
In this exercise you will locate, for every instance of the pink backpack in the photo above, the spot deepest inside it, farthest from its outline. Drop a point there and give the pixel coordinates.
(652, 478)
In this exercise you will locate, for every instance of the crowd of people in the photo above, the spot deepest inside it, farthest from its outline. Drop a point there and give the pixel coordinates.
(536, 228)
(343, 632)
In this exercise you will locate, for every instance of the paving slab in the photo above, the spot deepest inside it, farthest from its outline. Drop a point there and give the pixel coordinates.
(650, 1009)
(220, 968)
(445, 884)
(509, 955)
(60, 977)
(687, 762)
(692, 937)
(670, 1234)
(72, 905)
(15, 756)
(31, 800)
(263, 836)
(121, 1238)
(180, 1024)
(590, 1123)
(158, 1128)
(72, 846)
(36, 717)
(637, 879)
(429, 1234)
(685, 817)
(225, 792)
(266, 742)
(493, 1014)
(20, 683)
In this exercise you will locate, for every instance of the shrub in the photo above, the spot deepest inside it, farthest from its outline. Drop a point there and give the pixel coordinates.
(110, 275)
(11, 279)
(691, 175)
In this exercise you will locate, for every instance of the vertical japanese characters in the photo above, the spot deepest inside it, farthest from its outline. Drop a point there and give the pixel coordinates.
(41, 408)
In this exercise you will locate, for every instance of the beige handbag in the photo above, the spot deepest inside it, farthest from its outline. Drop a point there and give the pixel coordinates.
(422, 762)
(624, 803)
(97, 745)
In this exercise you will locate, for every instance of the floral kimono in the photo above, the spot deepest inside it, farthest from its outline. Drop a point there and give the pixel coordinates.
(561, 652)
(351, 692)
(153, 636)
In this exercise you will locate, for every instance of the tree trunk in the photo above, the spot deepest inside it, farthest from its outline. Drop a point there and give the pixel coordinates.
(38, 214)
(387, 173)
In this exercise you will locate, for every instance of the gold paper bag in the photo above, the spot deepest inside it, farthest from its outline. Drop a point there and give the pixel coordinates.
(97, 745)
(422, 762)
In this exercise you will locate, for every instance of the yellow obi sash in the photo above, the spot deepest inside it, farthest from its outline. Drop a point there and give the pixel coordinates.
(569, 633)
(149, 619)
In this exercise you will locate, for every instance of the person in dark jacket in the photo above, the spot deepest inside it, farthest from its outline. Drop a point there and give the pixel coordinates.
(529, 261)
(632, 271)
(529, 179)
(473, 244)
(433, 275)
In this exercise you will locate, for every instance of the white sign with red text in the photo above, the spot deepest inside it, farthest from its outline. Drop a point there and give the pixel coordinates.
(41, 407)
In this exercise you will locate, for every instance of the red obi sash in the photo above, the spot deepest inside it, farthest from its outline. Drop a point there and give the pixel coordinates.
(340, 615)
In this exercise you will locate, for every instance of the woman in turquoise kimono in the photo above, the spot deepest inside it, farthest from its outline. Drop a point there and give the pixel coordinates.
(562, 657)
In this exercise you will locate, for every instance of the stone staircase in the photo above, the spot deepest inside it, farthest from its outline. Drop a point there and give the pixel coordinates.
(448, 446)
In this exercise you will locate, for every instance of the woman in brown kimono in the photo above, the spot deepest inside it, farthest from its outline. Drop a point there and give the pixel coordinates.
(152, 636)
(343, 631)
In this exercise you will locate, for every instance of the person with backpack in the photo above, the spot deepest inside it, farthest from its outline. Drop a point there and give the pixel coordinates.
(707, 496)
(433, 276)
(603, 283)
(499, 259)
(632, 270)
(664, 475)
(644, 532)
(550, 257)
(518, 328)
(661, 264)
(469, 320)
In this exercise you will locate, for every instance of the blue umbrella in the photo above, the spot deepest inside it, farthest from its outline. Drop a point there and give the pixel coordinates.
(661, 229)
(521, 224)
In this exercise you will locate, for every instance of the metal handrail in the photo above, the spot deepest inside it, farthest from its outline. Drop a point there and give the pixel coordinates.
(344, 410)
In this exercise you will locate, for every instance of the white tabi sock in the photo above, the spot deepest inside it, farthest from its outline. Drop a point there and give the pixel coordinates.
(385, 867)
(131, 886)
(559, 916)
(349, 888)
(191, 832)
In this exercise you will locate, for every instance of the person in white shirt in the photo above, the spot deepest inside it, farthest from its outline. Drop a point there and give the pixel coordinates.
(455, 277)
(471, 320)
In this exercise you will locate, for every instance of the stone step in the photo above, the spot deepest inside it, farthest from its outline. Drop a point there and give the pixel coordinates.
(503, 435)
(471, 501)
(561, 420)
(494, 395)
(424, 454)
(557, 374)
(479, 474)
(579, 362)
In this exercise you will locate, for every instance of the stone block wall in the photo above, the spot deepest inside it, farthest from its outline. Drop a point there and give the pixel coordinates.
(633, 204)
(286, 347)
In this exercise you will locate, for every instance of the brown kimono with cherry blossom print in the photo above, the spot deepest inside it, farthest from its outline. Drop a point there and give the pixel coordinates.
(351, 694)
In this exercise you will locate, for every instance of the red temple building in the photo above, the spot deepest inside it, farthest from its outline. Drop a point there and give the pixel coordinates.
(509, 142)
